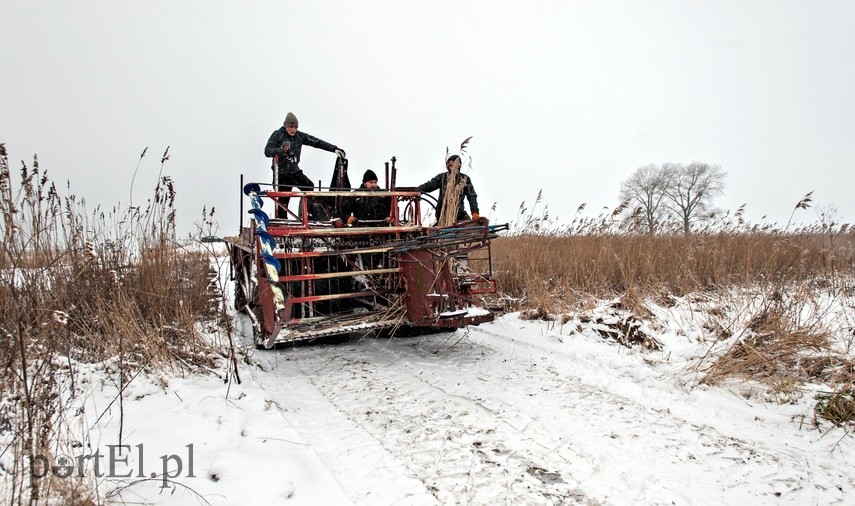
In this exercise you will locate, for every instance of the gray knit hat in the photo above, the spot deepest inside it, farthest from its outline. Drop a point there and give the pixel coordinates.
(290, 119)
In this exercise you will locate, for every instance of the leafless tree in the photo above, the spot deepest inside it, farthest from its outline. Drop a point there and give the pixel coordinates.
(691, 189)
(646, 187)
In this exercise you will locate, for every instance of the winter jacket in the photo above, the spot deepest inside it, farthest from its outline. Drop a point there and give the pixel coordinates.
(439, 182)
(289, 162)
(370, 208)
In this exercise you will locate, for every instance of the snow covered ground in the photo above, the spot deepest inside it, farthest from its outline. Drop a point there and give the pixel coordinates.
(510, 412)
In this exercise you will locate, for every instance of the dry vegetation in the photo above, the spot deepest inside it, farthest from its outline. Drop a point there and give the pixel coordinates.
(79, 287)
(559, 270)
(778, 337)
(453, 192)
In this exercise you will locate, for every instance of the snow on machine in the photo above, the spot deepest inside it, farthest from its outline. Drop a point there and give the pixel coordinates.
(310, 275)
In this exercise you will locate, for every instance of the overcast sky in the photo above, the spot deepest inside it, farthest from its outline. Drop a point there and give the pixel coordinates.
(568, 96)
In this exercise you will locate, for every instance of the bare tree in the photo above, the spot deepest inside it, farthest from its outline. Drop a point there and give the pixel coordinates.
(691, 189)
(646, 187)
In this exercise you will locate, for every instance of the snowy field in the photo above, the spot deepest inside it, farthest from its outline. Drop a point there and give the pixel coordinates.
(510, 412)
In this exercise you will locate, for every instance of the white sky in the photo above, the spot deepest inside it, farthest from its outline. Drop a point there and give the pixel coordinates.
(568, 97)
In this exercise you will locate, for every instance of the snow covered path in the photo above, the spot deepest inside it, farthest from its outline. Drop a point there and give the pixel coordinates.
(509, 414)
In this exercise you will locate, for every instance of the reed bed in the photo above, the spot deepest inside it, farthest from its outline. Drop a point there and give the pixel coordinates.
(79, 286)
(539, 268)
(773, 288)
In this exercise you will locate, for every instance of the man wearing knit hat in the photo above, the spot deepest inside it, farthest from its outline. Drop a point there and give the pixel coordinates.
(370, 210)
(285, 146)
(440, 182)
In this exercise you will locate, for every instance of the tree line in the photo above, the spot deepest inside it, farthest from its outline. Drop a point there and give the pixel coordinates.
(673, 191)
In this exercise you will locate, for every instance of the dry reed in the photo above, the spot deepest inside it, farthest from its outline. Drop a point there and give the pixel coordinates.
(549, 269)
(455, 183)
(564, 268)
(79, 287)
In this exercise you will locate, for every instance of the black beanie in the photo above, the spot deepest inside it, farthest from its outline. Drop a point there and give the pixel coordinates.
(452, 158)
(369, 176)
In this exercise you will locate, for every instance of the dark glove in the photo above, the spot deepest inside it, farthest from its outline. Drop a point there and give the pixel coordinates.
(340, 153)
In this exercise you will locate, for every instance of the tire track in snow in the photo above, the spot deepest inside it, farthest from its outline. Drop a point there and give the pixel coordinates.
(365, 470)
(461, 448)
(697, 450)
(494, 420)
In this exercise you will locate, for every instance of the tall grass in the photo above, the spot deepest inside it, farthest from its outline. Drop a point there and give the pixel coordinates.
(614, 252)
(773, 289)
(558, 268)
(79, 286)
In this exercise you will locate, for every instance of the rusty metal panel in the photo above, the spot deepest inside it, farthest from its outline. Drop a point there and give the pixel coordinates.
(265, 299)
(430, 287)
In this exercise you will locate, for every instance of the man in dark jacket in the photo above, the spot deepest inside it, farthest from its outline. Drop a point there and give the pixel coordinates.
(285, 146)
(440, 181)
(370, 211)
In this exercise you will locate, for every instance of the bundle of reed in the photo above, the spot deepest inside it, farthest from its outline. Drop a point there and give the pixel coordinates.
(454, 185)
(453, 191)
